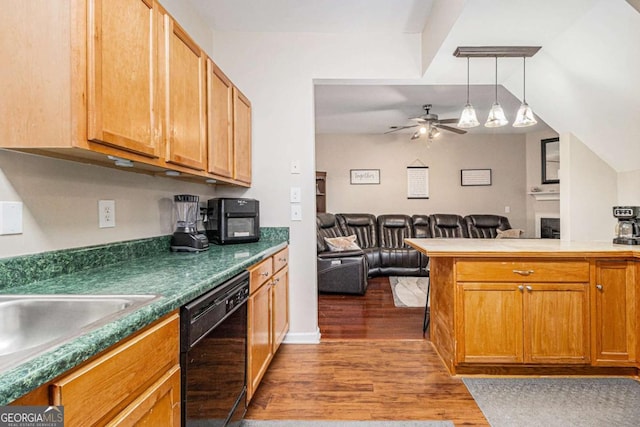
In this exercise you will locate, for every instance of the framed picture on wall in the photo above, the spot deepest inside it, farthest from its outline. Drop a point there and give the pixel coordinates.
(365, 176)
(474, 177)
(550, 150)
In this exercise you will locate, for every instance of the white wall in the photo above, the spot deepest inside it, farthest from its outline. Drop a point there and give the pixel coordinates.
(588, 188)
(60, 203)
(534, 179)
(629, 188)
(276, 71)
(445, 156)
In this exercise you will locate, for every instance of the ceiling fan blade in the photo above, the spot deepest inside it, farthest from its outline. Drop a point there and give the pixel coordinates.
(418, 119)
(451, 129)
(399, 128)
(448, 121)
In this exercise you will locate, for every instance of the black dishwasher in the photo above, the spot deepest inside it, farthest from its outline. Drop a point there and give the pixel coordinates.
(213, 351)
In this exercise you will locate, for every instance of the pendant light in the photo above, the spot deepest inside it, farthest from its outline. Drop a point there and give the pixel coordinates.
(468, 118)
(496, 115)
(525, 115)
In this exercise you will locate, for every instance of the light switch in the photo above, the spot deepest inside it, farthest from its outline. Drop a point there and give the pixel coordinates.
(296, 213)
(10, 218)
(507, 209)
(295, 194)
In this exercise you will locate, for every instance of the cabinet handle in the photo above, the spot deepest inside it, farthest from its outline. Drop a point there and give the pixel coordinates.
(265, 274)
(521, 288)
(599, 287)
(523, 272)
(529, 288)
(282, 259)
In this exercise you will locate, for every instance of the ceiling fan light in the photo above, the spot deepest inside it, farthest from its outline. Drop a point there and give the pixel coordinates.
(524, 117)
(434, 132)
(423, 130)
(496, 117)
(468, 118)
(416, 135)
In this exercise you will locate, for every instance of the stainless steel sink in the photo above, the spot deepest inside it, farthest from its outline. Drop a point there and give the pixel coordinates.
(33, 324)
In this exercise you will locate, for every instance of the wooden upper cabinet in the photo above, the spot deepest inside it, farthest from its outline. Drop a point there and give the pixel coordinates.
(184, 66)
(122, 72)
(242, 136)
(219, 121)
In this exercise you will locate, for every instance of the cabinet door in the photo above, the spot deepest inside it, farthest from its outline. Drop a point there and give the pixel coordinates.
(185, 99)
(280, 310)
(159, 405)
(614, 301)
(556, 323)
(260, 338)
(122, 102)
(490, 327)
(219, 121)
(242, 136)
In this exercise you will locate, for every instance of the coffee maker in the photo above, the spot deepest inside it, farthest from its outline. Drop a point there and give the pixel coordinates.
(187, 238)
(628, 226)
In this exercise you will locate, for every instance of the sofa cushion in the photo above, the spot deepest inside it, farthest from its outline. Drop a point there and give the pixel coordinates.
(393, 229)
(343, 243)
(512, 233)
(421, 228)
(326, 226)
(485, 226)
(447, 225)
(362, 225)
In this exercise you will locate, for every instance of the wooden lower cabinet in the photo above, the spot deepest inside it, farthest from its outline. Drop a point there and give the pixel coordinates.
(268, 315)
(135, 382)
(518, 323)
(614, 313)
(260, 336)
(280, 304)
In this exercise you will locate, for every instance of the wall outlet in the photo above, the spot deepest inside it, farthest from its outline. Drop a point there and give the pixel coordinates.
(10, 218)
(296, 213)
(106, 213)
(295, 166)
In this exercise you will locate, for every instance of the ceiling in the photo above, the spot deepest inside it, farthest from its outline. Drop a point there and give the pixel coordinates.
(316, 16)
(372, 109)
(581, 82)
(358, 107)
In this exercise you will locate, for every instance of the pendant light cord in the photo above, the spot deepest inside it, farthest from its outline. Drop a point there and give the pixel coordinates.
(496, 85)
(524, 79)
(467, 79)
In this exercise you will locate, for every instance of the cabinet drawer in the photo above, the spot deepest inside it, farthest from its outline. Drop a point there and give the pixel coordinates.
(259, 274)
(522, 271)
(118, 376)
(280, 259)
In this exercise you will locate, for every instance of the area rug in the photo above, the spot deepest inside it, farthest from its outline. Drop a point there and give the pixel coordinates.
(584, 402)
(322, 423)
(409, 291)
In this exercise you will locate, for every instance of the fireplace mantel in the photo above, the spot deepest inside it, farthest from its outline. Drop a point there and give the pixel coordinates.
(545, 195)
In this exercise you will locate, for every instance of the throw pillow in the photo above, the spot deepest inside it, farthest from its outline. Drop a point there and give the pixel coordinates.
(512, 233)
(337, 244)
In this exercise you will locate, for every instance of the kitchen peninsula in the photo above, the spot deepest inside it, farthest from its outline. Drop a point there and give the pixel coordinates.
(533, 306)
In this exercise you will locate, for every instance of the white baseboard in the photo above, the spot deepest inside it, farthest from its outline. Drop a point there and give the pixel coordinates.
(303, 337)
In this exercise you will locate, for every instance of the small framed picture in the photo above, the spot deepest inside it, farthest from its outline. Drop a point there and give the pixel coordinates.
(472, 177)
(365, 176)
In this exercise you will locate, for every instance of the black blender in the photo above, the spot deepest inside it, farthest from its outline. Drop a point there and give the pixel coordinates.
(187, 238)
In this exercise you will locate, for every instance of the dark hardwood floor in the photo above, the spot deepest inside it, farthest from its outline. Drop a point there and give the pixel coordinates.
(372, 364)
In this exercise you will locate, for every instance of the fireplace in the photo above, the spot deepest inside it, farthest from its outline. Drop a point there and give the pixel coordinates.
(547, 225)
(550, 228)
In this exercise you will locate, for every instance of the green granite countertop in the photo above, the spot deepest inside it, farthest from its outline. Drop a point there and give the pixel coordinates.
(177, 277)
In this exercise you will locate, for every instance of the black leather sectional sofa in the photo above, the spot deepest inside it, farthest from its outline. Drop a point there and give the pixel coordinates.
(382, 249)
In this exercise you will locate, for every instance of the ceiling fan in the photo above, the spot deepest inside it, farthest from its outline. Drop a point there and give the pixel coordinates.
(428, 124)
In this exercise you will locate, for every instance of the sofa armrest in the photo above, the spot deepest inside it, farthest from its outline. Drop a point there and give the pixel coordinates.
(340, 254)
